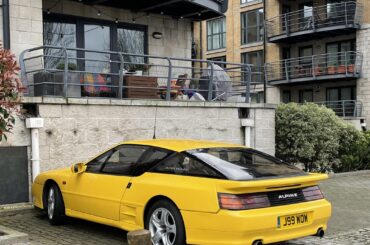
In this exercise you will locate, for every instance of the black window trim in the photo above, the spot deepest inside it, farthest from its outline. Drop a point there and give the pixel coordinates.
(135, 145)
(220, 34)
(244, 29)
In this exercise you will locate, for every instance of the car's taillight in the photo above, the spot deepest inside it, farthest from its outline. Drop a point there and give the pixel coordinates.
(243, 201)
(312, 193)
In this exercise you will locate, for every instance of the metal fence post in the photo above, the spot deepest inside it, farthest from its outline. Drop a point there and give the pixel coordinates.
(65, 76)
(343, 110)
(22, 65)
(120, 80)
(210, 82)
(248, 87)
(168, 88)
(286, 70)
(313, 67)
(345, 13)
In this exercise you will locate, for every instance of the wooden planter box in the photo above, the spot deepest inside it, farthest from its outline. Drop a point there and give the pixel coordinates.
(146, 87)
(331, 70)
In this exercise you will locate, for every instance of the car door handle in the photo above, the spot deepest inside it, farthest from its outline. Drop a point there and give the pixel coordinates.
(128, 185)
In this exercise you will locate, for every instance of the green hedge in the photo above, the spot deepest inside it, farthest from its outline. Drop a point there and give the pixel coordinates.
(315, 137)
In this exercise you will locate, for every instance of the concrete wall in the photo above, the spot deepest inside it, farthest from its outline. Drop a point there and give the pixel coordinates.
(25, 24)
(77, 129)
(363, 84)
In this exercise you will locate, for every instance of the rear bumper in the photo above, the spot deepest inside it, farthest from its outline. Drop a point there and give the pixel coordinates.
(244, 227)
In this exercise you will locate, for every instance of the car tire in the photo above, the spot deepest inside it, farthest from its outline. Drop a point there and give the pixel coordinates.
(55, 205)
(165, 224)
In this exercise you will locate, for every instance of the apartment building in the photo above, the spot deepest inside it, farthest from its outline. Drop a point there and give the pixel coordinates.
(236, 37)
(317, 51)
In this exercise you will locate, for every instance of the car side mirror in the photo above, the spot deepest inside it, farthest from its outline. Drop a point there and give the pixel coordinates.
(78, 168)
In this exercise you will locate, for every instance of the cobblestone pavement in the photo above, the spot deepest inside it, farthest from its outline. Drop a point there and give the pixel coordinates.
(350, 223)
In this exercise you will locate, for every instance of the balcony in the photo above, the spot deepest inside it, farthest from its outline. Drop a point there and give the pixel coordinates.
(76, 72)
(316, 22)
(328, 66)
(344, 108)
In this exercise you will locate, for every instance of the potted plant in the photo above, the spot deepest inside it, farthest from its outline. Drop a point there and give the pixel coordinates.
(318, 71)
(351, 68)
(341, 69)
(139, 69)
(332, 69)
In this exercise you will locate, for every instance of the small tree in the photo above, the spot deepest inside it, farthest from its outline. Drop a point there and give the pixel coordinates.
(312, 135)
(10, 87)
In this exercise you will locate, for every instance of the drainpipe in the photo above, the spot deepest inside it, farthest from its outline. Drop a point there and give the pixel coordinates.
(247, 124)
(6, 24)
(35, 124)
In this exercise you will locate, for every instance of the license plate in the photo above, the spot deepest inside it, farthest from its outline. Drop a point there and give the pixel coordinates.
(293, 220)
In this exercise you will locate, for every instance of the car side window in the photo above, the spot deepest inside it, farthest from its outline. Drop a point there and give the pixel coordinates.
(181, 164)
(95, 165)
(123, 159)
(149, 159)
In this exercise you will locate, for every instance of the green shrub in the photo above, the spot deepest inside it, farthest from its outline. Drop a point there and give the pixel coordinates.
(313, 136)
(356, 156)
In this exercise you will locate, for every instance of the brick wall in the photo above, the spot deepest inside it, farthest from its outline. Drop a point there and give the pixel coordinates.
(77, 129)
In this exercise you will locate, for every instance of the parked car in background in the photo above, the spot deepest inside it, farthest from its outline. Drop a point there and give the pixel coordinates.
(186, 191)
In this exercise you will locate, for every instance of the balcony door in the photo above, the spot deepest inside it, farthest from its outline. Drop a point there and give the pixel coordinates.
(306, 16)
(305, 61)
(342, 100)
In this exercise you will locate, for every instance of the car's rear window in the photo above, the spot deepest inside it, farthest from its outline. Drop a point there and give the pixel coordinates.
(244, 163)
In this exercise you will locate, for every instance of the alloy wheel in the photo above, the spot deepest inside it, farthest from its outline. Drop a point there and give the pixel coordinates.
(51, 203)
(162, 227)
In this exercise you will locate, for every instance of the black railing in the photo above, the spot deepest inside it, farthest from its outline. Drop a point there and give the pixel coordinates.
(340, 15)
(344, 108)
(74, 72)
(322, 66)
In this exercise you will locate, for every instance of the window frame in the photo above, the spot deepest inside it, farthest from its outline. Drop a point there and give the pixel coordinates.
(220, 34)
(339, 48)
(353, 92)
(259, 26)
(260, 61)
(80, 34)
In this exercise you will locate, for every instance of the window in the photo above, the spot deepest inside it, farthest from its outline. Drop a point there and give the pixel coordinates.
(181, 164)
(252, 26)
(306, 16)
(221, 58)
(257, 60)
(287, 97)
(61, 35)
(72, 32)
(95, 165)
(337, 53)
(123, 160)
(244, 164)
(258, 97)
(305, 96)
(250, 1)
(216, 34)
(341, 93)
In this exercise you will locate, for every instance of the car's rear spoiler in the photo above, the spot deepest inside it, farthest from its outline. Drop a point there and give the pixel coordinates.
(262, 185)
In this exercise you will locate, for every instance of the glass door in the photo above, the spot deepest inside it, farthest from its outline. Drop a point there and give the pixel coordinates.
(305, 96)
(306, 16)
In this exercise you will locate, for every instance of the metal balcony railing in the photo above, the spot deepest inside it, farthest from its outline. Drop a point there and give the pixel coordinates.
(344, 108)
(75, 72)
(322, 18)
(316, 67)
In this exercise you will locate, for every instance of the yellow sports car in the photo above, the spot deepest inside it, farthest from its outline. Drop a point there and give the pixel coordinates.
(185, 191)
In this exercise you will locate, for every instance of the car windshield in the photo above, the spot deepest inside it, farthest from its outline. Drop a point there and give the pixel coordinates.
(244, 163)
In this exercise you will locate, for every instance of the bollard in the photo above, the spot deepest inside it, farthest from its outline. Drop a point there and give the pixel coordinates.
(139, 237)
